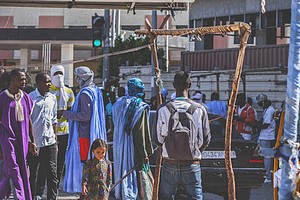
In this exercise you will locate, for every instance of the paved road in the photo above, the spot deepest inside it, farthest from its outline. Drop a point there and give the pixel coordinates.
(263, 193)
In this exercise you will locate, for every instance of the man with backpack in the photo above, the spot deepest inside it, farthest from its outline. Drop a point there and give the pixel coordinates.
(182, 129)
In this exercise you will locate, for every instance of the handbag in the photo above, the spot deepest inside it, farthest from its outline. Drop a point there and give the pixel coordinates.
(146, 183)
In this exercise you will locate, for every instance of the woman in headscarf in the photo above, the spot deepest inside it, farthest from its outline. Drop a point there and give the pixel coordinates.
(132, 143)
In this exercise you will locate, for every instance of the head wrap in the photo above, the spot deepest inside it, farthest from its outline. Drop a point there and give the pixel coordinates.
(57, 68)
(164, 92)
(84, 76)
(135, 87)
(261, 97)
(197, 97)
(173, 96)
(58, 81)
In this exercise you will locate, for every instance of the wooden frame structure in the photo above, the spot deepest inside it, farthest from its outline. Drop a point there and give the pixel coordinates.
(244, 31)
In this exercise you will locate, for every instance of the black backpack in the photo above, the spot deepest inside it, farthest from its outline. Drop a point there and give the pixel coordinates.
(182, 131)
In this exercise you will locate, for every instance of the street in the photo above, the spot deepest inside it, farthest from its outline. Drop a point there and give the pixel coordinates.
(264, 193)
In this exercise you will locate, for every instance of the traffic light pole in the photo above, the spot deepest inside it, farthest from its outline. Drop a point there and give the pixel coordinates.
(154, 26)
(105, 76)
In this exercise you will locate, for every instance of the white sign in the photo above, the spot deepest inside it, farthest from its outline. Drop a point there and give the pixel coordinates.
(216, 154)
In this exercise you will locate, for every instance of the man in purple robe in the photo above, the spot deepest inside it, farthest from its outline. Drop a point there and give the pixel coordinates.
(15, 136)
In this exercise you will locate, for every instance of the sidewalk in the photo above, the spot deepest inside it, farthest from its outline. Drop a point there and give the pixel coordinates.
(61, 196)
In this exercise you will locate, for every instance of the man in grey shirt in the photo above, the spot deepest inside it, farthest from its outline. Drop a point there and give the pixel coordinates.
(44, 123)
(183, 139)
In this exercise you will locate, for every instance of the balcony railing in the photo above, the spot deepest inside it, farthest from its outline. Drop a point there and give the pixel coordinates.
(256, 57)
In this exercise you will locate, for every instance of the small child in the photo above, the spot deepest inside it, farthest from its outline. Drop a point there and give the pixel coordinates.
(97, 173)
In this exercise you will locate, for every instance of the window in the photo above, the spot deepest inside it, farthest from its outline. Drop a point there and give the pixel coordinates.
(26, 27)
(181, 26)
(130, 28)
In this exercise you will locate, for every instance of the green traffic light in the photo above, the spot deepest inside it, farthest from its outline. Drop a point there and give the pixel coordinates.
(97, 43)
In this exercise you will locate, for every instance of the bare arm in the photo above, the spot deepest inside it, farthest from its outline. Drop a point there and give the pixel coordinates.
(31, 135)
(32, 145)
(55, 131)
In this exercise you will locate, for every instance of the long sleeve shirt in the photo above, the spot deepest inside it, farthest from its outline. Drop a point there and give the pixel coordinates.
(82, 115)
(200, 118)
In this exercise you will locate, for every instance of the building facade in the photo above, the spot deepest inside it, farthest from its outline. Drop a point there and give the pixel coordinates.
(270, 28)
(24, 30)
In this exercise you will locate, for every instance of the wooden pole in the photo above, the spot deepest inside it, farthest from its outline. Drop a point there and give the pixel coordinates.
(158, 102)
(244, 35)
(244, 32)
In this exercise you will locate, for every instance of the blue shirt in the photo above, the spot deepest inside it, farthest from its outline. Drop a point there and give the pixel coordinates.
(43, 116)
(217, 107)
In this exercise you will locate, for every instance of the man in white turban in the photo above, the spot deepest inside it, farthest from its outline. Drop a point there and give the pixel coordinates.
(65, 99)
(87, 123)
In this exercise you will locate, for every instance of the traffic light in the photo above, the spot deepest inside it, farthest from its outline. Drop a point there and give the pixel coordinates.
(97, 24)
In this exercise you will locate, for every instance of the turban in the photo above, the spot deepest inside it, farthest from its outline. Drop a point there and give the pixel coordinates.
(135, 87)
(57, 68)
(84, 76)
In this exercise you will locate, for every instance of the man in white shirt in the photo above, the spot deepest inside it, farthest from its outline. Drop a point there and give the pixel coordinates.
(267, 133)
(44, 124)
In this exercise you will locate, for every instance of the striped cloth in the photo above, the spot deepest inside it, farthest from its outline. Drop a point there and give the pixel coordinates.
(63, 125)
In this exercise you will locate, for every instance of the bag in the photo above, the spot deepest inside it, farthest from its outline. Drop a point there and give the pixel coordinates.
(146, 183)
(181, 133)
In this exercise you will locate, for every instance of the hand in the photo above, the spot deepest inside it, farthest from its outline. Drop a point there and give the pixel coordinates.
(33, 149)
(59, 114)
(84, 190)
(146, 160)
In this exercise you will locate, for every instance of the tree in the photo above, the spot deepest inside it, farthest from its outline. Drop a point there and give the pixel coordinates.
(141, 57)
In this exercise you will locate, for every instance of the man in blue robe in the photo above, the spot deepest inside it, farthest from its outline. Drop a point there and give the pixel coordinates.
(86, 123)
(132, 141)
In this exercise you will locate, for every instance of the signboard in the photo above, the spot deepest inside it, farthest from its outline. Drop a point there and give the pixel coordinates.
(216, 154)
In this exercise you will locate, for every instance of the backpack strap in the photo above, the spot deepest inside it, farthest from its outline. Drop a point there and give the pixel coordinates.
(170, 107)
(192, 108)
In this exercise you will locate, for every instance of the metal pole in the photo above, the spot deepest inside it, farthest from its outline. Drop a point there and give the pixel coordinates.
(113, 28)
(154, 26)
(167, 45)
(43, 56)
(118, 22)
(106, 47)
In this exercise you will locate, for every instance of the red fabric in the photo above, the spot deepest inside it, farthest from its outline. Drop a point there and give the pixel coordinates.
(84, 144)
(249, 115)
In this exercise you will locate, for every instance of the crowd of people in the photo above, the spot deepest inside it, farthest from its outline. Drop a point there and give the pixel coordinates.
(50, 130)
